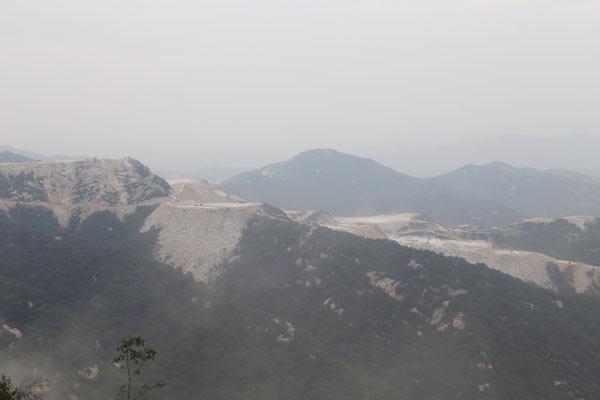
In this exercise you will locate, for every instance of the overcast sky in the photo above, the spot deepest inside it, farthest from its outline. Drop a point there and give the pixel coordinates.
(195, 82)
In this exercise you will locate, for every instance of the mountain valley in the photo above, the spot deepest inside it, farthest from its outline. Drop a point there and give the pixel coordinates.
(282, 304)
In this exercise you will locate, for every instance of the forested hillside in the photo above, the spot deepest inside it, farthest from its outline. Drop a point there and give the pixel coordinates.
(559, 238)
(298, 313)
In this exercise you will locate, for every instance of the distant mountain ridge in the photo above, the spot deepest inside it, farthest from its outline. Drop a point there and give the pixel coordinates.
(552, 193)
(42, 157)
(570, 152)
(241, 302)
(320, 179)
(346, 185)
(10, 157)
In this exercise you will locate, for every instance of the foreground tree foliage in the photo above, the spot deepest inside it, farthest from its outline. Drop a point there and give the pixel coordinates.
(133, 354)
(27, 390)
(7, 389)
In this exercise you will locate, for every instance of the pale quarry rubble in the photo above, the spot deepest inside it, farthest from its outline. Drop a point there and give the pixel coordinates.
(12, 331)
(526, 265)
(580, 221)
(413, 230)
(90, 372)
(187, 192)
(197, 239)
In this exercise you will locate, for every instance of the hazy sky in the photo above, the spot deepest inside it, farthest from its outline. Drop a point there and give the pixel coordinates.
(194, 82)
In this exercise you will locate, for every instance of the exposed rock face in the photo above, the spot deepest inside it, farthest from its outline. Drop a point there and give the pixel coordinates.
(413, 230)
(194, 192)
(388, 285)
(102, 182)
(528, 266)
(197, 225)
(382, 226)
(12, 331)
(196, 238)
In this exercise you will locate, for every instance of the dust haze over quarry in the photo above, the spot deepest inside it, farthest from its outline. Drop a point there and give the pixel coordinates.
(203, 76)
(243, 300)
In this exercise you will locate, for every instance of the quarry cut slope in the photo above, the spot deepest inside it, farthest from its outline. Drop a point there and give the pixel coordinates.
(196, 224)
(198, 227)
(528, 266)
(416, 231)
(197, 238)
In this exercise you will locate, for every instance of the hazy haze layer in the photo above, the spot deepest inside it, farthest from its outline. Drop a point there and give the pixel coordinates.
(194, 83)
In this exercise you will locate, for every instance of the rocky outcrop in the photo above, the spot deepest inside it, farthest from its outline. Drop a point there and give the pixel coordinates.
(196, 225)
(101, 182)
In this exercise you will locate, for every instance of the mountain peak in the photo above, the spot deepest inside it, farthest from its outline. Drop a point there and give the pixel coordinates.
(329, 154)
(494, 165)
(333, 156)
(324, 152)
(108, 182)
(319, 163)
(500, 165)
(43, 157)
(313, 156)
(347, 185)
